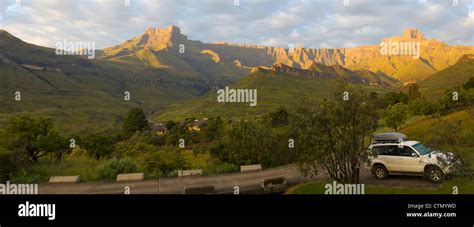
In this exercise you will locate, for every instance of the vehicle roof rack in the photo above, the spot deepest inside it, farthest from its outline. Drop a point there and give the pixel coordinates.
(389, 137)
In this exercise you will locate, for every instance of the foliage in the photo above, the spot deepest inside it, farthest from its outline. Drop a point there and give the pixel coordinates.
(455, 98)
(223, 167)
(163, 162)
(99, 145)
(392, 98)
(9, 164)
(395, 116)
(279, 118)
(422, 107)
(469, 84)
(33, 137)
(170, 124)
(135, 121)
(214, 129)
(113, 167)
(336, 133)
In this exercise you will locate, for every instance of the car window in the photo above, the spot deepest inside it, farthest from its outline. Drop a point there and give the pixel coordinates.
(386, 150)
(421, 148)
(405, 151)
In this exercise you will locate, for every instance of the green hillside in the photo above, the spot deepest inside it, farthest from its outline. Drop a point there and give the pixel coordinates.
(273, 90)
(458, 74)
(82, 94)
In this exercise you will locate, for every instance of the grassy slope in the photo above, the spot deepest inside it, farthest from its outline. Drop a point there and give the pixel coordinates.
(81, 101)
(434, 86)
(273, 91)
(85, 94)
(426, 129)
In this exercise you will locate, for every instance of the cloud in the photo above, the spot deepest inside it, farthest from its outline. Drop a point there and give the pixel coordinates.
(310, 23)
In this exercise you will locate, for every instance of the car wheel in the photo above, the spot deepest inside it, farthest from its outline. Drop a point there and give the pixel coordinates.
(380, 172)
(434, 174)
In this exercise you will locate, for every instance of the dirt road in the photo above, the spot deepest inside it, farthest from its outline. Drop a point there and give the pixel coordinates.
(248, 182)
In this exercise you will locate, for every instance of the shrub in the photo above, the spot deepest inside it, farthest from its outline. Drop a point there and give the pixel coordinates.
(110, 169)
(227, 168)
(163, 162)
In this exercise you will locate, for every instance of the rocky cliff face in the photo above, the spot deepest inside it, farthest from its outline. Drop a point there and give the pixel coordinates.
(221, 57)
(334, 71)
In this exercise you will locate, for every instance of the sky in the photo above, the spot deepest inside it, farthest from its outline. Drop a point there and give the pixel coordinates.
(282, 23)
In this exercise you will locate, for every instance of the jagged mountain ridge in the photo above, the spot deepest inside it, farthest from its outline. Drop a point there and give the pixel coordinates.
(234, 60)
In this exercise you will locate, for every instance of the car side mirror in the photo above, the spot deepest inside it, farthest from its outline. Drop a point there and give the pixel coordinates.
(414, 155)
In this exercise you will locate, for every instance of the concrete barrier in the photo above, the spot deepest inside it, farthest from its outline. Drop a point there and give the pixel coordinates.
(64, 179)
(196, 190)
(187, 173)
(131, 177)
(274, 185)
(249, 168)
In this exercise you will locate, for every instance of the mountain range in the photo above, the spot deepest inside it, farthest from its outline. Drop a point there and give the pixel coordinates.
(163, 67)
(160, 48)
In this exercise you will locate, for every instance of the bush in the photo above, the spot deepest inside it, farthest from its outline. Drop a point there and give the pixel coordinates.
(422, 107)
(163, 162)
(110, 169)
(173, 173)
(221, 167)
(25, 176)
(227, 168)
(11, 163)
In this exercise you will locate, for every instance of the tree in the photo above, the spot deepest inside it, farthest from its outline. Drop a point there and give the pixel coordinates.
(413, 92)
(392, 98)
(279, 118)
(170, 124)
(395, 116)
(247, 142)
(214, 129)
(135, 121)
(34, 137)
(164, 161)
(9, 164)
(335, 134)
(455, 98)
(98, 145)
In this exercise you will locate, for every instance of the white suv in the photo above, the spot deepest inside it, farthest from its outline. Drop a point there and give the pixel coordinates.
(392, 154)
